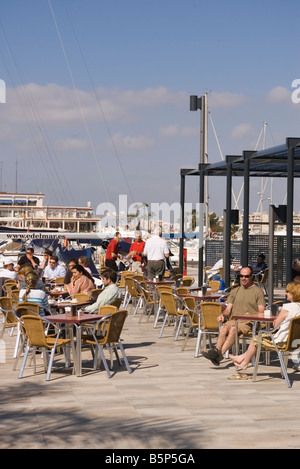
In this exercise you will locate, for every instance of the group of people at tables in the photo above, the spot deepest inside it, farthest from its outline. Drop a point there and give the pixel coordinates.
(32, 277)
(246, 299)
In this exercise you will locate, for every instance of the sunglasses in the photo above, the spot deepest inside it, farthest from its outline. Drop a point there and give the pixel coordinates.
(245, 276)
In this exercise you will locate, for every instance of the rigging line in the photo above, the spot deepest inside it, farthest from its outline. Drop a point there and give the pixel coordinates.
(28, 116)
(76, 93)
(216, 135)
(27, 113)
(217, 140)
(99, 104)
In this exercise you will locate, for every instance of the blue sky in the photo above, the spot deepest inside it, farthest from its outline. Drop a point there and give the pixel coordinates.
(98, 94)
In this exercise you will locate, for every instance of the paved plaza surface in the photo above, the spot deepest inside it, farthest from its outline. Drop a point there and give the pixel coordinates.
(170, 401)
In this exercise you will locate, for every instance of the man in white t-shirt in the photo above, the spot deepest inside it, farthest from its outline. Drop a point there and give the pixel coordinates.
(8, 270)
(156, 250)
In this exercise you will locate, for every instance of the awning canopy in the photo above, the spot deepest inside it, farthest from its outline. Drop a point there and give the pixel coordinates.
(282, 161)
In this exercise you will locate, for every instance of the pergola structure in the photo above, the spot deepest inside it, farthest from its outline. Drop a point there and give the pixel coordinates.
(281, 161)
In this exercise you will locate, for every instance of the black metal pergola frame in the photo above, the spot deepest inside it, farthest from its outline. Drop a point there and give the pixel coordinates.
(281, 161)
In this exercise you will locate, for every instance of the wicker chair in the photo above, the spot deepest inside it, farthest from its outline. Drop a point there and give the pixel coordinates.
(174, 308)
(148, 300)
(9, 286)
(261, 279)
(59, 280)
(111, 328)
(283, 351)
(209, 325)
(132, 294)
(37, 339)
(9, 319)
(214, 285)
(22, 309)
(14, 295)
(81, 297)
(182, 291)
(160, 309)
(95, 293)
(187, 281)
(117, 302)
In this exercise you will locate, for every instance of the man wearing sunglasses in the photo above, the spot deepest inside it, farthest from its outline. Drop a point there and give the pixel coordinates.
(243, 300)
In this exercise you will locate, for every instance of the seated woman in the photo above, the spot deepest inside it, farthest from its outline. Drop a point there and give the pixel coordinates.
(289, 310)
(84, 261)
(22, 274)
(34, 295)
(81, 281)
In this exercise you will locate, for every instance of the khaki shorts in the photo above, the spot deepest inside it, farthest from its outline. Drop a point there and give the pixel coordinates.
(244, 327)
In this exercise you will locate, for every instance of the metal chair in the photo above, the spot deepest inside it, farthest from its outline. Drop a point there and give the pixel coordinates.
(132, 294)
(160, 310)
(117, 303)
(9, 285)
(81, 297)
(209, 325)
(261, 279)
(187, 281)
(23, 309)
(59, 280)
(214, 285)
(174, 308)
(9, 319)
(111, 328)
(182, 291)
(37, 339)
(95, 293)
(283, 351)
(147, 300)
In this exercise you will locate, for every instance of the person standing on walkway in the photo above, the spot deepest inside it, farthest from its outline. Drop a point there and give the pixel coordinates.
(156, 250)
(112, 252)
(135, 252)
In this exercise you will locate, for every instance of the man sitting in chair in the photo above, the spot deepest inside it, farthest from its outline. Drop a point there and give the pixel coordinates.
(110, 293)
(243, 300)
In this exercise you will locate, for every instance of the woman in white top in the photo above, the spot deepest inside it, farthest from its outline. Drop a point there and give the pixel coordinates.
(288, 311)
(34, 295)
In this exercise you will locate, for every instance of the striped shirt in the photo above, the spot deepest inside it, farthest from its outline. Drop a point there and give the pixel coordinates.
(36, 296)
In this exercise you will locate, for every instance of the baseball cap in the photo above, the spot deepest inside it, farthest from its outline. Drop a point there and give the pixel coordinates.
(8, 261)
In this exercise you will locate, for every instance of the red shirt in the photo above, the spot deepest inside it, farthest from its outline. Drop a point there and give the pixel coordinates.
(113, 247)
(138, 247)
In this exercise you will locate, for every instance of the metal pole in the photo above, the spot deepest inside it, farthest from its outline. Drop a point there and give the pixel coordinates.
(181, 241)
(289, 214)
(271, 255)
(201, 238)
(226, 260)
(245, 246)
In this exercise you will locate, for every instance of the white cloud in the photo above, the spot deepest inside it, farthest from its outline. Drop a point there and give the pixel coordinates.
(242, 131)
(279, 94)
(56, 105)
(225, 99)
(71, 144)
(176, 130)
(128, 143)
